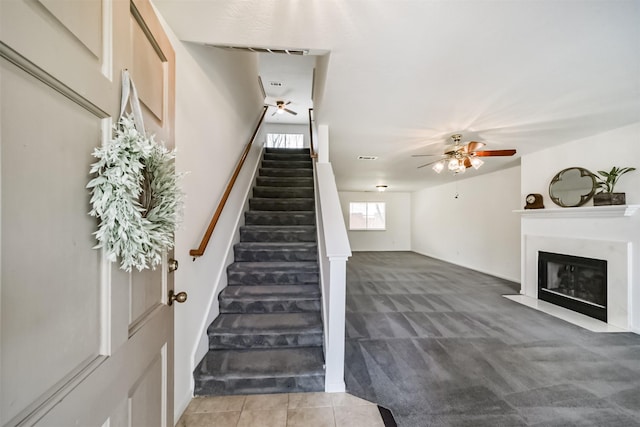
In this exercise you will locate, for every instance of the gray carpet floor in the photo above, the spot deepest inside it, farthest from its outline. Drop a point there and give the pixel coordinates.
(438, 345)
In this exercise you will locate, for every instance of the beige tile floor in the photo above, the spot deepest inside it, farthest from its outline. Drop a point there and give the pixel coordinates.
(281, 410)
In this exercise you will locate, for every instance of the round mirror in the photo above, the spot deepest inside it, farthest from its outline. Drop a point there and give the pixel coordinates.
(572, 187)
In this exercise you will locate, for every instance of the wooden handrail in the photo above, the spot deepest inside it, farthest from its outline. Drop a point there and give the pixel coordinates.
(216, 216)
(313, 153)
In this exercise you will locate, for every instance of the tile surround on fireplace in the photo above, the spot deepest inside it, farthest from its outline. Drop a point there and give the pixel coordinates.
(615, 253)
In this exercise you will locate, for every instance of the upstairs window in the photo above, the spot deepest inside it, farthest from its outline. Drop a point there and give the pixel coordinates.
(284, 140)
(367, 216)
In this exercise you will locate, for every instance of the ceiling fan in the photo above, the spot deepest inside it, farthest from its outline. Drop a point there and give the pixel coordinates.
(459, 157)
(281, 108)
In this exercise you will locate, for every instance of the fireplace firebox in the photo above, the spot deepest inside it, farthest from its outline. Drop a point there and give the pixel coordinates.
(576, 283)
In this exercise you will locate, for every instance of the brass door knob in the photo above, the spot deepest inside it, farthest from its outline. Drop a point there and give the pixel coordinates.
(179, 297)
(173, 265)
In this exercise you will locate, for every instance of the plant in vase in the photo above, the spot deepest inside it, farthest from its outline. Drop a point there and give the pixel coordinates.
(606, 183)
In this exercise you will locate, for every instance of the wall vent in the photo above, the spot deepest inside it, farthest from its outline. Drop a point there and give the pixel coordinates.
(262, 49)
(367, 158)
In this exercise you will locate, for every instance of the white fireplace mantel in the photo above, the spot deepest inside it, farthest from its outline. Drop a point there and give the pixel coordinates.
(581, 212)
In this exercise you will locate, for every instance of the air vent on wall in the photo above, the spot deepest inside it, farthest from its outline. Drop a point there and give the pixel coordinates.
(262, 49)
(367, 158)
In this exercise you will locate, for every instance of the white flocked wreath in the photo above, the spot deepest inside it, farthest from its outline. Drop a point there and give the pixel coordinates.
(135, 193)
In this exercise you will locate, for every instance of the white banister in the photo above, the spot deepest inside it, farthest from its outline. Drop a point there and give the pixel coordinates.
(333, 252)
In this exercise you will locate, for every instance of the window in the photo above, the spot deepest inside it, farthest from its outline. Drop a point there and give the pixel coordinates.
(367, 216)
(284, 140)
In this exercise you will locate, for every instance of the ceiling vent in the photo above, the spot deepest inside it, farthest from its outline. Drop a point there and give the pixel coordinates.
(262, 49)
(367, 158)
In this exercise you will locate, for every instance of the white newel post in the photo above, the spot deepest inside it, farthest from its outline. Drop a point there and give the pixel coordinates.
(334, 374)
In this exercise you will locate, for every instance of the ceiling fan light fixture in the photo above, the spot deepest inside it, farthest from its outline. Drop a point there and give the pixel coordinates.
(381, 188)
(280, 110)
(438, 167)
(476, 162)
(453, 164)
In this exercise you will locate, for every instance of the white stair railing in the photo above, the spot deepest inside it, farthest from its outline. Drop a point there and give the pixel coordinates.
(333, 253)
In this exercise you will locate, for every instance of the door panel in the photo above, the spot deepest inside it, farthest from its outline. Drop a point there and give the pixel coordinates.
(147, 392)
(81, 341)
(83, 18)
(58, 43)
(147, 293)
(45, 135)
(148, 69)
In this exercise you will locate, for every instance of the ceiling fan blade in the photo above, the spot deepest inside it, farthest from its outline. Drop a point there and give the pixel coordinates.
(274, 113)
(427, 164)
(290, 111)
(494, 153)
(288, 102)
(473, 146)
(467, 162)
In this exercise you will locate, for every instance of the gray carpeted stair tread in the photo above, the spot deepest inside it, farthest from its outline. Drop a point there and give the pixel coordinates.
(274, 292)
(287, 150)
(278, 245)
(284, 181)
(286, 172)
(278, 233)
(286, 156)
(263, 363)
(288, 204)
(284, 218)
(287, 164)
(266, 324)
(275, 251)
(270, 330)
(273, 273)
(260, 371)
(270, 299)
(282, 192)
(275, 266)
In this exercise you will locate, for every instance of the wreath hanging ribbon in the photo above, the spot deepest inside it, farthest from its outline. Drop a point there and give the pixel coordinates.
(135, 193)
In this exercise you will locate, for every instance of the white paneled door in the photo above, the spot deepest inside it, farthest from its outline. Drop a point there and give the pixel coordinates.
(82, 343)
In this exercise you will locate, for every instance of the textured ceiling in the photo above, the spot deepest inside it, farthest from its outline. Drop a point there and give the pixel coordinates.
(402, 76)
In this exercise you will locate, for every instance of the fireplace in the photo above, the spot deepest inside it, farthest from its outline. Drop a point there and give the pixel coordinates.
(573, 282)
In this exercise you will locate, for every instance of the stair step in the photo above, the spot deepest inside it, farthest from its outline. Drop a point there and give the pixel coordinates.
(293, 164)
(271, 204)
(284, 181)
(288, 150)
(285, 172)
(237, 331)
(275, 251)
(269, 299)
(283, 192)
(260, 371)
(277, 233)
(280, 218)
(280, 156)
(272, 273)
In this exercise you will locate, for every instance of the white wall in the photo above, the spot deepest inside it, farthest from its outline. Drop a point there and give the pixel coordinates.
(620, 147)
(477, 229)
(397, 236)
(218, 103)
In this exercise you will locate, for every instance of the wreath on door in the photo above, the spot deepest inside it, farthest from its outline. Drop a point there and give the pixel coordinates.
(135, 192)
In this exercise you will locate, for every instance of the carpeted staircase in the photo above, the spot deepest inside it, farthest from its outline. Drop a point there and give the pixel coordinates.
(268, 336)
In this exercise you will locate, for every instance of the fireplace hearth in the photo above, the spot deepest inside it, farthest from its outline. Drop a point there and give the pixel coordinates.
(576, 283)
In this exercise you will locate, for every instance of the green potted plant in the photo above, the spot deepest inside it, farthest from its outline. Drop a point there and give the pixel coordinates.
(606, 183)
